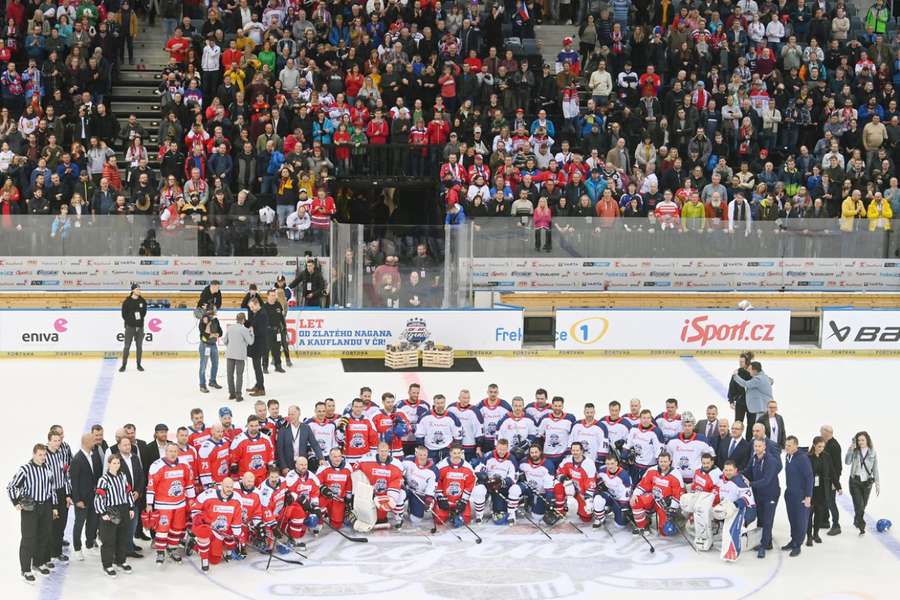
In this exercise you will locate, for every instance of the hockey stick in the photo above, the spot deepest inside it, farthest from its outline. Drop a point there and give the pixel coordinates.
(527, 517)
(478, 539)
(680, 530)
(433, 515)
(350, 538)
(641, 530)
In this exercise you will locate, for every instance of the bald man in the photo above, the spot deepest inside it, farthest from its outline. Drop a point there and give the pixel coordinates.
(84, 471)
(833, 452)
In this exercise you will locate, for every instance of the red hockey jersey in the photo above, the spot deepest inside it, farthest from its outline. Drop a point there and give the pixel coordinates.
(198, 436)
(221, 514)
(384, 422)
(454, 482)
(383, 476)
(169, 485)
(360, 437)
(252, 454)
(336, 478)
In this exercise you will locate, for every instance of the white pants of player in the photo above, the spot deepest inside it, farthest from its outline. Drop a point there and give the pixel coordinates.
(479, 499)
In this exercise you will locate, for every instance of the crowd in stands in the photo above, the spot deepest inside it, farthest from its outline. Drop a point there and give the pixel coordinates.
(682, 116)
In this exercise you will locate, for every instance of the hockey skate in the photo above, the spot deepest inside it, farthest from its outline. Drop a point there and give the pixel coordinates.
(500, 518)
(511, 518)
(552, 517)
(160, 557)
(175, 555)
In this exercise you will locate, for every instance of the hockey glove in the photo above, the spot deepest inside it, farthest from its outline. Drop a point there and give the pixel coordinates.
(326, 492)
(443, 504)
(601, 487)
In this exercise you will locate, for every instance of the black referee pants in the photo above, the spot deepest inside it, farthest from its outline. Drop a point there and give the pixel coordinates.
(34, 550)
(114, 539)
(58, 525)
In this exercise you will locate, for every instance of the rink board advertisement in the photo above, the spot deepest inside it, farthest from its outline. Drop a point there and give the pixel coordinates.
(54, 273)
(685, 274)
(849, 329)
(672, 329)
(176, 331)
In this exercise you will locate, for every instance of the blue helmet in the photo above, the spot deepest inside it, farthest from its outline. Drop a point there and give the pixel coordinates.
(311, 521)
(883, 525)
(669, 529)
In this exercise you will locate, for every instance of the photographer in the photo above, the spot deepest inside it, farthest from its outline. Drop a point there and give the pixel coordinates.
(31, 492)
(211, 294)
(252, 292)
(115, 506)
(310, 286)
(210, 332)
(863, 475)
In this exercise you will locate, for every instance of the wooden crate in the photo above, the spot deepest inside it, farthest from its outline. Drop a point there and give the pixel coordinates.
(401, 359)
(438, 358)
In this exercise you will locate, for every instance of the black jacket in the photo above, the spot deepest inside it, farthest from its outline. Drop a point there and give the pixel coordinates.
(84, 480)
(206, 296)
(741, 454)
(131, 308)
(736, 393)
(764, 419)
(833, 451)
(259, 323)
(275, 314)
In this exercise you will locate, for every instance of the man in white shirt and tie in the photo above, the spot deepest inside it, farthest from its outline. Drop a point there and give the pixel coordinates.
(710, 426)
(734, 447)
(296, 439)
(773, 424)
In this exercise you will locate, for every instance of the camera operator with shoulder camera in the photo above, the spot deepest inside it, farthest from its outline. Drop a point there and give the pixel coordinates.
(31, 492)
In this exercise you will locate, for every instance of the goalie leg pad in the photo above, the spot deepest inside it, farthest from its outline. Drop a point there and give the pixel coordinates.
(363, 503)
(703, 517)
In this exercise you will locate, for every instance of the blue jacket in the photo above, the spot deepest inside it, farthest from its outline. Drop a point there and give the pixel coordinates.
(799, 474)
(763, 476)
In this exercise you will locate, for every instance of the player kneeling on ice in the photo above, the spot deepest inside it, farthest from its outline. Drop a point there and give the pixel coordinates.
(496, 475)
(698, 503)
(421, 479)
(336, 490)
(455, 481)
(612, 492)
(734, 504)
(536, 482)
(576, 478)
(216, 516)
(257, 522)
(658, 491)
(301, 503)
(378, 491)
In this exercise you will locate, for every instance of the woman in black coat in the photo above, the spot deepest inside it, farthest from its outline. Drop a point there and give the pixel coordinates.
(822, 476)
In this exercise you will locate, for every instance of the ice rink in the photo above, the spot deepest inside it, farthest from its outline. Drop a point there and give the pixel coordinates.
(849, 393)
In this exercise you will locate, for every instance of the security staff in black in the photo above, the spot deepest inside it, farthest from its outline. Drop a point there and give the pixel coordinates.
(114, 504)
(134, 309)
(59, 457)
(31, 492)
(277, 328)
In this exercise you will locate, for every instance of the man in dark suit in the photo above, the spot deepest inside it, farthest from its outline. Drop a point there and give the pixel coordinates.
(295, 439)
(710, 426)
(258, 321)
(156, 449)
(84, 471)
(734, 447)
(138, 447)
(762, 473)
(774, 424)
(833, 451)
(798, 492)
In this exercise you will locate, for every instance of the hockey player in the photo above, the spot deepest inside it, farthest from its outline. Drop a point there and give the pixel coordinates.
(736, 508)
(420, 477)
(274, 422)
(216, 516)
(438, 430)
(391, 425)
(576, 478)
(555, 430)
(198, 432)
(385, 476)
(669, 422)
(455, 481)
(357, 434)
(414, 408)
(262, 414)
(170, 485)
(687, 447)
(256, 521)
(301, 502)
(643, 445)
(612, 493)
(492, 409)
(252, 451)
(336, 489)
(518, 429)
(471, 426)
(592, 434)
(496, 474)
(633, 418)
(659, 490)
(536, 479)
(616, 426)
(540, 408)
(324, 430)
(187, 455)
(226, 419)
(214, 455)
(699, 501)
(370, 409)
(272, 493)
(330, 415)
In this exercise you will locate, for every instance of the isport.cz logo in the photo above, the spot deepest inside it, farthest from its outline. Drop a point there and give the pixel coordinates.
(59, 326)
(699, 329)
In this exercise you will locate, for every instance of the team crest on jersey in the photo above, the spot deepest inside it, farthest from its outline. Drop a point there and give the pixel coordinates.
(220, 523)
(357, 441)
(454, 489)
(321, 445)
(438, 437)
(553, 439)
(492, 428)
(257, 462)
(176, 489)
(380, 486)
(223, 468)
(684, 462)
(415, 332)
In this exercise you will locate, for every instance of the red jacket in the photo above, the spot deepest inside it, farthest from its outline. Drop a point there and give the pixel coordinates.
(377, 132)
(438, 132)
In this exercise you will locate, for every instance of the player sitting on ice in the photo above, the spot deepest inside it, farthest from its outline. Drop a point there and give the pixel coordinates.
(575, 478)
(336, 489)
(612, 492)
(301, 510)
(536, 482)
(257, 523)
(419, 475)
(659, 491)
(455, 480)
(496, 475)
(216, 516)
(378, 491)
(698, 503)
(736, 508)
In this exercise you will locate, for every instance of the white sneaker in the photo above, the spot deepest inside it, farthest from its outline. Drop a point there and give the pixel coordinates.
(79, 554)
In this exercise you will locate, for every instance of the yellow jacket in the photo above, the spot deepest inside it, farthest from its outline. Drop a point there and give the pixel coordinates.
(132, 24)
(880, 216)
(850, 209)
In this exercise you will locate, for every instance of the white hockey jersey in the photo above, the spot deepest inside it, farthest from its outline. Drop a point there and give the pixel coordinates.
(618, 483)
(437, 432)
(669, 427)
(491, 415)
(420, 479)
(686, 453)
(539, 475)
(413, 413)
(593, 437)
(556, 432)
(515, 429)
(538, 412)
(632, 420)
(325, 433)
(646, 444)
(470, 424)
(615, 429)
(736, 490)
(505, 467)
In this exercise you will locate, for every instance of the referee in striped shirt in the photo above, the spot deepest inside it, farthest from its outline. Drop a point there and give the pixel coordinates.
(31, 492)
(114, 505)
(59, 457)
